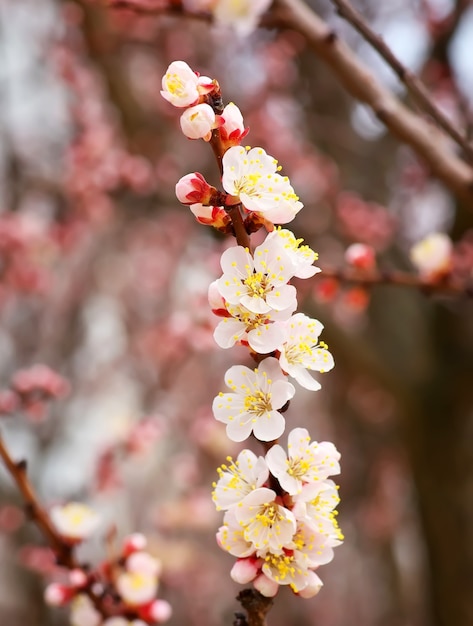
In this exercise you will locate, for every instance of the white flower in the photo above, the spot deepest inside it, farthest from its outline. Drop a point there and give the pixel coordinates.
(301, 351)
(136, 587)
(197, 122)
(144, 563)
(252, 407)
(238, 479)
(242, 15)
(432, 256)
(286, 568)
(259, 283)
(251, 175)
(230, 537)
(180, 85)
(263, 332)
(74, 521)
(302, 256)
(316, 506)
(266, 524)
(307, 462)
(83, 612)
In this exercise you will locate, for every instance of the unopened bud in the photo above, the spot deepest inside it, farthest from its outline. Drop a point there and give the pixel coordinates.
(193, 188)
(361, 256)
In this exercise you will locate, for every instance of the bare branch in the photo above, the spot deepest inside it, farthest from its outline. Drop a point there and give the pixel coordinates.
(447, 286)
(414, 85)
(429, 142)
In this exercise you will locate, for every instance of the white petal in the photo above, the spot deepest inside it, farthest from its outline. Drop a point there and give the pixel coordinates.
(269, 428)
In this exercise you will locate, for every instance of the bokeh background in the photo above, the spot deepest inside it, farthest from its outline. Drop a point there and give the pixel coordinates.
(103, 278)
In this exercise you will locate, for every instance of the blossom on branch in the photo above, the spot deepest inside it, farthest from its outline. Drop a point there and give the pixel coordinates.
(258, 282)
(74, 521)
(214, 216)
(302, 350)
(238, 479)
(302, 256)
(250, 175)
(198, 121)
(432, 256)
(193, 189)
(253, 405)
(182, 87)
(241, 15)
(306, 462)
(232, 129)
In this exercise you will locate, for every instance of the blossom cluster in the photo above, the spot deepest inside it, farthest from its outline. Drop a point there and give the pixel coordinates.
(280, 520)
(126, 584)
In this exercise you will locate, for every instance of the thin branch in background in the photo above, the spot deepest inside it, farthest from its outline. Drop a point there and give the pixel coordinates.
(428, 141)
(447, 286)
(414, 85)
(63, 551)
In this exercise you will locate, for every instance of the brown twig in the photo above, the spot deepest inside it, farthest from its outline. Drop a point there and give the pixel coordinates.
(447, 286)
(256, 606)
(414, 85)
(427, 140)
(63, 551)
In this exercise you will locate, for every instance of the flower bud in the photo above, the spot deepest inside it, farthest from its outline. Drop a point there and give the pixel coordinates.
(180, 85)
(193, 188)
(57, 595)
(197, 122)
(232, 129)
(160, 611)
(77, 578)
(361, 256)
(245, 570)
(135, 542)
(211, 215)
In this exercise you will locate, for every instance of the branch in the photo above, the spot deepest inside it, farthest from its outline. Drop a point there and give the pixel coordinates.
(256, 606)
(427, 140)
(414, 85)
(399, 279)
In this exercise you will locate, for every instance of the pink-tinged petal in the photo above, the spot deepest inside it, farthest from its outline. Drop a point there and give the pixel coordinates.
(266, 338)
(314, 585)
(227, 407)
(228, 332)
(238, 430)
(237, 260)
(255, 304)
(267, 587)
(281, 392)
(238, 376)
(321, 361)
(276, 460)
(304, 378)
(269, 428)
(282, 298)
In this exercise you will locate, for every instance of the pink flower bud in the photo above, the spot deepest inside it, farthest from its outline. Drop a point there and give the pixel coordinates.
(361, 256)
(77, 578)
(134, 543)
(160, 611)
(211, 215)
(267, 587)
(232, 129)
(245, 570)
(193, 188)
(198, 121)
(57, 595)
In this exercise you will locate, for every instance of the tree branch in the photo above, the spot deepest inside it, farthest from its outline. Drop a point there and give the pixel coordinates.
(414, 85)
(448, 286)
(428, 141)
(256, 606)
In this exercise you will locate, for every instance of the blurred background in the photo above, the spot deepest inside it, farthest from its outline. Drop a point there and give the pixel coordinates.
(103, 278)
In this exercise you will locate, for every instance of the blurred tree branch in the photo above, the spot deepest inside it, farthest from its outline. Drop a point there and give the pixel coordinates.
(415, 86)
